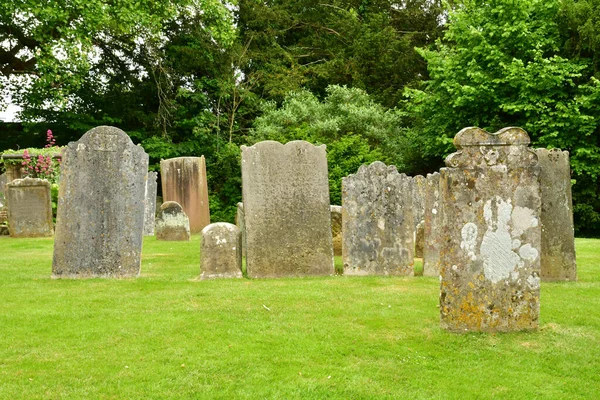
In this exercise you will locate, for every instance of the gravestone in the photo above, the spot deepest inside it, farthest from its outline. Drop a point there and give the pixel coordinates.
(336, 229)
(221, 251)
(184, 181)
(490, 259)
(432, 226)
(3, 181)
(100, 217)
(240, 223)
(286, 210)
(418, 201)
(419, 239)
(150, 204)
(558, 236)
(172, 223)
(378, 224)
(29, 205)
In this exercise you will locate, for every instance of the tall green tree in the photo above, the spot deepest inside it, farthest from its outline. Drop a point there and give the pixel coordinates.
(501, 63)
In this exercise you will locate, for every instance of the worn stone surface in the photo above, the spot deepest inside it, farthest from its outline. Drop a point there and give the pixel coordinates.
(172, 223)
(241, 224)
(150, 204)
(286, 208)
(558, 236)
(378, 224)
(14, 171)
(221, 251)
(184, 181)
(490, 260)
(418, 200)
(336, 229)
(29, 207)
(100, 218)
(419, 239)
(432, 229)
(3, 181)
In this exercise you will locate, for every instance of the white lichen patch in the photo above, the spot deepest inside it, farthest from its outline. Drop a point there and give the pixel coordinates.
(523, 218)
(381, 224)
(469, 239)
(529, 253)
(533, 282)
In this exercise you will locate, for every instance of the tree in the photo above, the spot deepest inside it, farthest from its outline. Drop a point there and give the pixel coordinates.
(500, 64)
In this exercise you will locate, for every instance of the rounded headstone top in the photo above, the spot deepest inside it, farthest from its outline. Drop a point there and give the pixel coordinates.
(269, 144)
(100, 132)
(225, 227)
(473, 136)
(29, 182)
(171, 207)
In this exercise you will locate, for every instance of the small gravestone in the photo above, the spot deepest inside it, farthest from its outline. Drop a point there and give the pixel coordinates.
(378, 224)
(172, 223)
(286, 208)
(490, 259)
(221, 251)
(100, 217)
(336, 229)
(184, 181)
(432, 226)
(29, 207)
(150, 204)
(239, 222)
(558, 237)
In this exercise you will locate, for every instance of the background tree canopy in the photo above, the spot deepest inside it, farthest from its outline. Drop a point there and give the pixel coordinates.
(371, 79)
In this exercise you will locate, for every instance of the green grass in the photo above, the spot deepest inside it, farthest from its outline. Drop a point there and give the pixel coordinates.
(168, 335)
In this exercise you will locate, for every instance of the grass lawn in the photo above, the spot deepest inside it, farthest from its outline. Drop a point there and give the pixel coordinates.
(168, 335)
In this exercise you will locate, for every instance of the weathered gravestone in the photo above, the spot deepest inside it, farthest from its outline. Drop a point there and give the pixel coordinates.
(100, 217)
(418, 198)
(3, 182)
(172, 223)
(378, 223)
(184, 181)
(336, 229)
(221, 251)
(29, 208)
(490, 259)
(241, 224)
(150, 204)
(286, 209)
(419, 239)
(432, 226)
(558, 237)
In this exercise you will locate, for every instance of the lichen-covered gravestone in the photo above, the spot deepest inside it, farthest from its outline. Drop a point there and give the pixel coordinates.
(558, 237)
(150, 204)
(100, 218)
(221, 251)
(184, 181)
(419, 239)
(172, 223)
(378, 223)
(336, 229)
(418, 198)
(490, 259)
(286, 209)
(29, 208)
(433, 226)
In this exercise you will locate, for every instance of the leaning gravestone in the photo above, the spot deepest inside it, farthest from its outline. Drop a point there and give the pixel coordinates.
(490, 261)
(150, 204)
(100, 218)
(336, 229)
(221, 251)
(558, 237)
(433, 226)
(184, 181)
(172, 223)
(29, 208)
(286, 208)
(378, 224)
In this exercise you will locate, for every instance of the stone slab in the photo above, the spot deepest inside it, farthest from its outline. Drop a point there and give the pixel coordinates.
(432, 229)
(100, 216)
(378, 223)
(336, 229)
(29, 205)
(172, 224)
(286, 208)
(150, 203)
(221, 251)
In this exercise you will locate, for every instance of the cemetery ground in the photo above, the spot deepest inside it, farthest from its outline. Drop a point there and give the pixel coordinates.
(168, 335)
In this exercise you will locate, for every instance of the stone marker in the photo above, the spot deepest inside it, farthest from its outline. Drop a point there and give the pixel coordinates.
(418, 200)
(221, 251)
(184, 181)
(419, 239)
(172, 223)
(100, 218)
(432, 226)
(286, 209)
(3, 181)
(150, 204)
(336, 229)
(29, 206)
(490, 260)
(558, 237)
(378, 223)
(241, 224)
